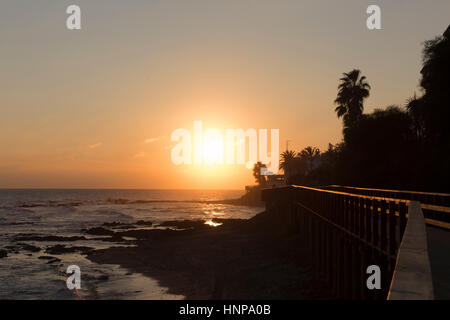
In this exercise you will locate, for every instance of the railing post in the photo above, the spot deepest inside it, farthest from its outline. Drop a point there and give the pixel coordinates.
(383, 224)
(368, 214)
(402, 213)
(375, 224)
(360, 210)
(392, 222)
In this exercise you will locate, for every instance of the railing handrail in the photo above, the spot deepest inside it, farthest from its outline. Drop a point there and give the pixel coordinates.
(341, 193)
(394, 191)
(440, 217)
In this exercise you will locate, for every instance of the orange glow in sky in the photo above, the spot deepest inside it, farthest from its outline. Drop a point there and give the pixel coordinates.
(95, 108)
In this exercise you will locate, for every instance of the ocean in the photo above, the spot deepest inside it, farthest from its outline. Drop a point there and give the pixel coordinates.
(29, 272)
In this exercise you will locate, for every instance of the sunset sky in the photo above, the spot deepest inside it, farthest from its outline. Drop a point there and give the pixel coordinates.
(95, 108)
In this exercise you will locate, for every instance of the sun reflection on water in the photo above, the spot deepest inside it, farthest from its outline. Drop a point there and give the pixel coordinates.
(212, 223)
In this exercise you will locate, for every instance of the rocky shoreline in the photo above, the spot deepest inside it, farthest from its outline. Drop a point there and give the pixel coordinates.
(224, 259)
(240, 259)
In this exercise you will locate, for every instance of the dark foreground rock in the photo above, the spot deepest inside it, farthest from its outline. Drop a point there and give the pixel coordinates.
(46, 258)
(29, 247)
(241, 259)
(144, 223)
(99, 231)
(61, 249)
(50, 259)
(25, 237)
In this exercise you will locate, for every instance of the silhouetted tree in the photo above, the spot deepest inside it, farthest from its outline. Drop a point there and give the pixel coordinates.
(260, 179)
(381, 150)
(309, 154)
(436, 84)
(353, 89)
(431, 114)
(287, 158)
(436, 66)
(391, 148)
(416, 109)
(329, 171)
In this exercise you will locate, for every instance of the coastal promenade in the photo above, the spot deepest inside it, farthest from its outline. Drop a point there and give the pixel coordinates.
(436, 209)
(346, 232)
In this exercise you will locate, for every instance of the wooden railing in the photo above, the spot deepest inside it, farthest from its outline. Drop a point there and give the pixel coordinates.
(344, 233)
(435, 206)
(438, 199)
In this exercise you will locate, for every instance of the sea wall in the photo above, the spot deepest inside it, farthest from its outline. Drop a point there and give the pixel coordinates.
(412, 276)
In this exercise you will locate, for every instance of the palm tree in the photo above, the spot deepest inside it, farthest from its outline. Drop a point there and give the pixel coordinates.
(353, 89)
(309, 154)
(286, 159)
(259, 178)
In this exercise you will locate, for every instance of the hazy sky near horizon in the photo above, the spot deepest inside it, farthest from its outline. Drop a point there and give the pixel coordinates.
(94, 108)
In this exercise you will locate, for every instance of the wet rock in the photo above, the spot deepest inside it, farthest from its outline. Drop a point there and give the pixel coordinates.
(29, 247)
(19, 223)
(61, 249)
(69, 204)
(144, 223)
(47, 238)
(53, 260)
(46, 257)
(103, 277)
(99, 231)
(113, 224)
(184, 224)
(126, 226)
(148, 234)
(119, 225)
(11, 248)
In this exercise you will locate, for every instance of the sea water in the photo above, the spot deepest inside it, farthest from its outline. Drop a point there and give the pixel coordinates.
(23, 275)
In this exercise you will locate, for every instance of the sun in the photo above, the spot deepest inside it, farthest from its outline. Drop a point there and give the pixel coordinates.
(212, 151)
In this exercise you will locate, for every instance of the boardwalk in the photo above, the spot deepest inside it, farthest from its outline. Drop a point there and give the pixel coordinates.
(347, 229)
(437, 213)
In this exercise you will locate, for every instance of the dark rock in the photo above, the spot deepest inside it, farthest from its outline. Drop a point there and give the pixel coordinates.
(61, 249)
(184, 224)
(113, 238)
(53, 260)
(28, 247)
(148, 234)
(113, 224)
(99, 231)
(69, 204)
(126, 226)
(118, 225)
(46, 257)
(47, 238)
(3, 253)
(144, 223)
